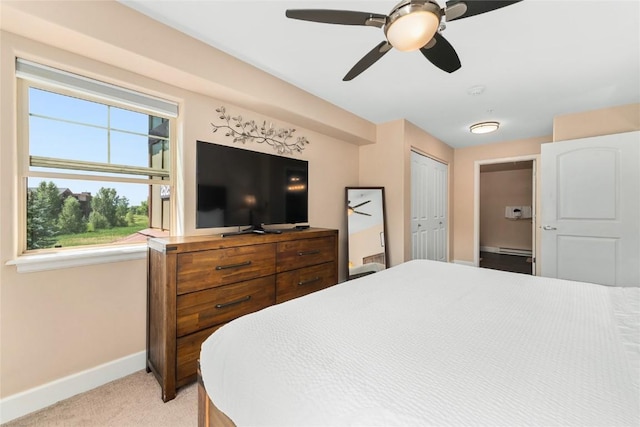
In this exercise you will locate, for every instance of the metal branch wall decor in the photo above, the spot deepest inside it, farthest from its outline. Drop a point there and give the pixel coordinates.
(243, 131)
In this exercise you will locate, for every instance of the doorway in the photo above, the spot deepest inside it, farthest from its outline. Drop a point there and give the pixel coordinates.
(505, 220)
(429, 208)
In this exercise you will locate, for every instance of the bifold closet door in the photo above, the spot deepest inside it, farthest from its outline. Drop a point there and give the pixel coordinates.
(429, 197)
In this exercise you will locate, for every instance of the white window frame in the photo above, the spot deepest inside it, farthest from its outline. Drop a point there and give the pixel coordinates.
(32, 75)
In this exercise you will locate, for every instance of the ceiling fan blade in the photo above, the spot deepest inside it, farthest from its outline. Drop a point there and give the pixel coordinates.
(458, 9)
(363, 203)
(368, 60)
(344, 17)
(441, 54)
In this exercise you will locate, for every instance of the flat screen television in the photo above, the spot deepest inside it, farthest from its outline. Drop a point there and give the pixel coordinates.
(237, 187)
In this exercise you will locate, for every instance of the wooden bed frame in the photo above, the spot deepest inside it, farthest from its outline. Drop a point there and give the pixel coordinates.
(208, 414)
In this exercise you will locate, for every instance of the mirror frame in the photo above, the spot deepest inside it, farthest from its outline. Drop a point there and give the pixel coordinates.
(384, 224)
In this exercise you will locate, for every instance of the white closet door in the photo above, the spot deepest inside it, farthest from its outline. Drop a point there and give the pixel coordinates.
(428, 208)
(590, 203)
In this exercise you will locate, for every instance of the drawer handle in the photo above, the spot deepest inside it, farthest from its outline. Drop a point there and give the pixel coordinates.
(308, 281)
(225, 267)
(238, 301)
(303, 253)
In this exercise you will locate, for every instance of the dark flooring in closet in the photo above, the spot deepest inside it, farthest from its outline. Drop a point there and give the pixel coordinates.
(513, 263)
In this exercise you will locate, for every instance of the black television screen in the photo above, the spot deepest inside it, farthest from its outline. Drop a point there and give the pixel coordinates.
(237, 187)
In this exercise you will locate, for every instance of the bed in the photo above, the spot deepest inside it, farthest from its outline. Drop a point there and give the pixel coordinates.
(431, 343)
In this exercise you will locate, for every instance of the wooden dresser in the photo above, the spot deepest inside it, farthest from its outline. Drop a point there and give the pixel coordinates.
(196, 284)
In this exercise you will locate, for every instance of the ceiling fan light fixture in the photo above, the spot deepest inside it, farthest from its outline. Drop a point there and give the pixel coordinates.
(484, 127)
(412, 24)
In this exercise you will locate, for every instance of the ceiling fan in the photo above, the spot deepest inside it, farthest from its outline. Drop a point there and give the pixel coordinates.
(411, 25)
(352, 209)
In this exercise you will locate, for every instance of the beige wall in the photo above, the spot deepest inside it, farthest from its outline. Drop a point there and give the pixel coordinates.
(606, 121)
(464, 187)
(61, 322)
(364, 244)
(380, 166)
(388, 163)
(149, 48)
(57, 323)
(497, 190)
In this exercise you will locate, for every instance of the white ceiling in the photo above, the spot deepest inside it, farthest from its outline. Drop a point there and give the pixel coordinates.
(535, 59)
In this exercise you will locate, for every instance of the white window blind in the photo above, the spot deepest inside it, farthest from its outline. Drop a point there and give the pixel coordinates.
(44, 74)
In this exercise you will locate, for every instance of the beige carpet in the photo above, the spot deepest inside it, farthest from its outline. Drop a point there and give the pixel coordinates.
(130, 401)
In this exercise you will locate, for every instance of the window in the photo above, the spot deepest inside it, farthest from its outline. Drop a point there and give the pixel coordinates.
(95, 161)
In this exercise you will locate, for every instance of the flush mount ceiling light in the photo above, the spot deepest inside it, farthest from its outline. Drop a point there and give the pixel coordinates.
(484, 127)
(412, 24)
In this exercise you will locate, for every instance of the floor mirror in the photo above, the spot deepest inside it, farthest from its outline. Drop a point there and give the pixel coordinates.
(367, 249)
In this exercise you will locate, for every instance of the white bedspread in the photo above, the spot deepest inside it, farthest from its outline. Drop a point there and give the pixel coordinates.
(428, 343)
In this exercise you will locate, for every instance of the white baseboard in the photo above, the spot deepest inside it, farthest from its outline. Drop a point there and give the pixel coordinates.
(506, 251)
(28, 401)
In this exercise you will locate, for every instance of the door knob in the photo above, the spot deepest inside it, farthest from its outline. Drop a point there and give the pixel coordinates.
(548, 227)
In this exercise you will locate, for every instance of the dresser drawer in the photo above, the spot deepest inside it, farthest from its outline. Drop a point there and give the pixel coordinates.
(210, 268)
(198, 310)
(301, 253)
(196, 284)
(293, 284)
(188, 353)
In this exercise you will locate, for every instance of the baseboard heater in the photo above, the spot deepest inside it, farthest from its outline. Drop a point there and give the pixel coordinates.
(512, 251)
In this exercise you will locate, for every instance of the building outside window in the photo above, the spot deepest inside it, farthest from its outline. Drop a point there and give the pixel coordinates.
(95, 166)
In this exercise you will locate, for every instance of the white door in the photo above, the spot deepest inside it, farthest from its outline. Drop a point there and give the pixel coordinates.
(428, 208)
(590, 203)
